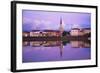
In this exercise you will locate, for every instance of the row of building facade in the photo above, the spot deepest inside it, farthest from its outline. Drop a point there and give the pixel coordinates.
(73, 32)
(38, 33)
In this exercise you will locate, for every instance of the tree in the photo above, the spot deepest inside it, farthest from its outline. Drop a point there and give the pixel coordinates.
(64, 33)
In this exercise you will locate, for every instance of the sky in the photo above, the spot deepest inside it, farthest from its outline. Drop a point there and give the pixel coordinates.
(42, 20)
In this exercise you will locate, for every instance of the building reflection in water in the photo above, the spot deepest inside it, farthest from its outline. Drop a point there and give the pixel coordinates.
(80, 44)
(60, 44)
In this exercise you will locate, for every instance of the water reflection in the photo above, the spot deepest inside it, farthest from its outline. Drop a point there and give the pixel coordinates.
(74, 43)
(38, 51)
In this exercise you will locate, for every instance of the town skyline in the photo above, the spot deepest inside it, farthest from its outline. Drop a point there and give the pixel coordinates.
(34, 20)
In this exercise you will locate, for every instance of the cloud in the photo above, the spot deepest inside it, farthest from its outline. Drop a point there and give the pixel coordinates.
(27, 20)
(76, 26)
(41, 24)
(45, 22)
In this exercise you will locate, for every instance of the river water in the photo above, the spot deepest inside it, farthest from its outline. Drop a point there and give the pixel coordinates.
(43, 51)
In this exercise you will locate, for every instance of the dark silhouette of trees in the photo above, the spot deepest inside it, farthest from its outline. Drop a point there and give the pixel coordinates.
(65, 33)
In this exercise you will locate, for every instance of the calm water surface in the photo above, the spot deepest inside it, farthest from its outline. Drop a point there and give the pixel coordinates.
(41, 51)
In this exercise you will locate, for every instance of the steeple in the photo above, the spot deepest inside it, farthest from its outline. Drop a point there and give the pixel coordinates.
(61, 27)
(60, 21)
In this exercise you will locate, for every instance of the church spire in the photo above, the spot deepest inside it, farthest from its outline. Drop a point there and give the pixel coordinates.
(60, 21)
(61, 26)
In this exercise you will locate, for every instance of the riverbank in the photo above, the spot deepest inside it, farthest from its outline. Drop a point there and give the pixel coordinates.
(81, 38)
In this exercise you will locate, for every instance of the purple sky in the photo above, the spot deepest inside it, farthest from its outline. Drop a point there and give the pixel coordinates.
(40, 20)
